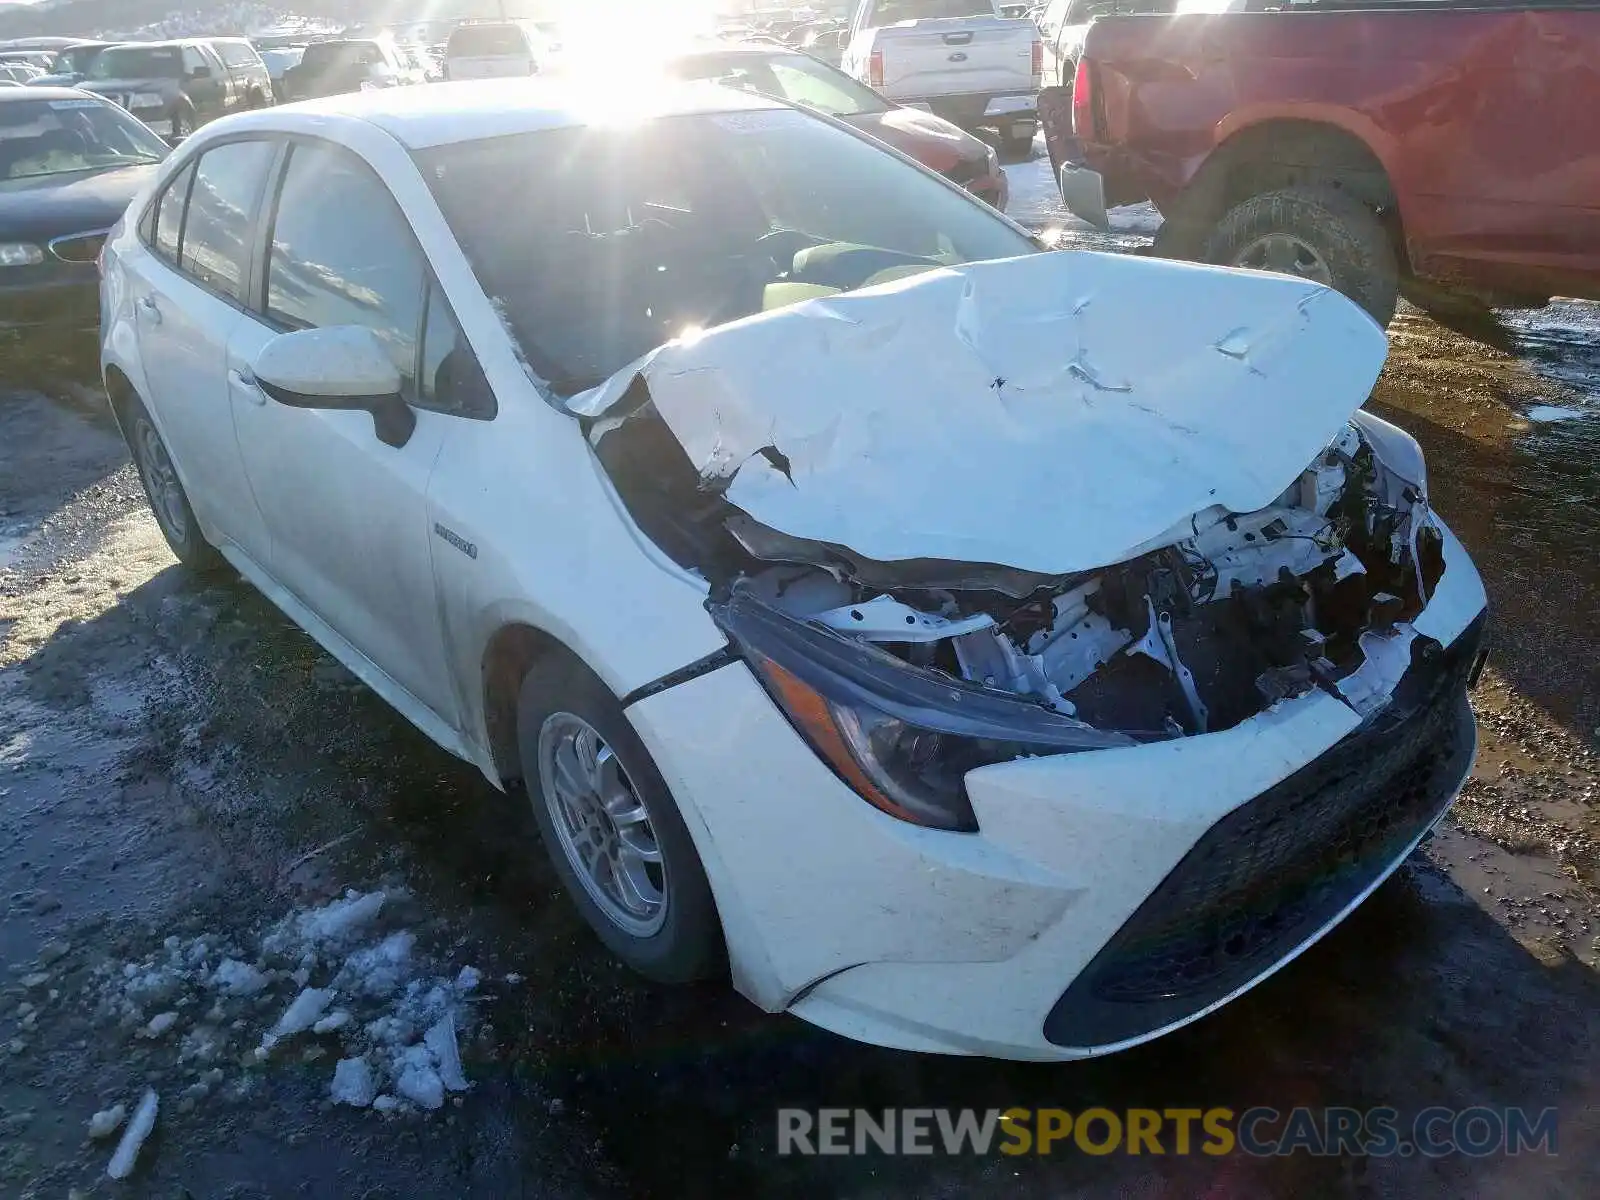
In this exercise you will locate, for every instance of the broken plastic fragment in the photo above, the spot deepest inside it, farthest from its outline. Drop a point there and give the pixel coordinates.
(144, 1120)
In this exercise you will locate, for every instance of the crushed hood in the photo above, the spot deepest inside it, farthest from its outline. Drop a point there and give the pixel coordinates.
(1049, 413)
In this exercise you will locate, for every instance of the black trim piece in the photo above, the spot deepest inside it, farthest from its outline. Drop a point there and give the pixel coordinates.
(714, 661)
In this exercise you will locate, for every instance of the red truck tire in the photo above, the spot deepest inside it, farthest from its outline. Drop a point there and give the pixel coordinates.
(1318, 233)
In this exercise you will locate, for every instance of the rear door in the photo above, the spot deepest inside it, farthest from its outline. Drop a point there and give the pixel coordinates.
(188, 286)
(347, 514)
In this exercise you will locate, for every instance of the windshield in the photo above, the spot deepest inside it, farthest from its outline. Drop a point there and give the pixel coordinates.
(53, 137)
(797, 78)
(138, 62)
(890, 12)
(599, 244)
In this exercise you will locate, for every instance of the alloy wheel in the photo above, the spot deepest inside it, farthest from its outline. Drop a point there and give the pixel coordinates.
(602, 825)
(1284, 254)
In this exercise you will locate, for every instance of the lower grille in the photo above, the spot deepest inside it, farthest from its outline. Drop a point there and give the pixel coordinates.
(1276, 870)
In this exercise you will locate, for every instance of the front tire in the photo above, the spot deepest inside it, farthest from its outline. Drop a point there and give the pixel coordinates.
(612, 830)
(1318, 233)
(183, 124)
(168, 501)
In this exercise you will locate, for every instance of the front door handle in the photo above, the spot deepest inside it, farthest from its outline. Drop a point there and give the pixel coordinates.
(244, 382)
(150, 309)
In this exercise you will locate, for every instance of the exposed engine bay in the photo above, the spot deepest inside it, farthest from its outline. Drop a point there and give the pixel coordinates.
(1226, 616)
(1191, 637)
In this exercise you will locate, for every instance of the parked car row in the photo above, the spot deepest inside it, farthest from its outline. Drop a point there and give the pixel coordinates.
(962, 647)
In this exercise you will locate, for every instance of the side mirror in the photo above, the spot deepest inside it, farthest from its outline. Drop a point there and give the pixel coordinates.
(200, 73)
(341, 367)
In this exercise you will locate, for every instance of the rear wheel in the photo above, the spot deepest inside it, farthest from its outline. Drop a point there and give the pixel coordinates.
(168, 501)
(611, 828)
(1317, 233)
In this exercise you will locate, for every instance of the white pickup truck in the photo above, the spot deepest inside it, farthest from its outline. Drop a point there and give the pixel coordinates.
(958, 58)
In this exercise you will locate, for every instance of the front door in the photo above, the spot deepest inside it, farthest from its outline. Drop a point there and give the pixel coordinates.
(348, 514)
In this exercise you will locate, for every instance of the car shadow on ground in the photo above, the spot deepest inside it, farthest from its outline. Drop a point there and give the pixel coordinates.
(1419, 1000)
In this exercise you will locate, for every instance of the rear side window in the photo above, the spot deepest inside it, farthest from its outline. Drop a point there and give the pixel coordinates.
(237, 54)
(222, 204)
(169, 215)
(342, 254)
(487, 41)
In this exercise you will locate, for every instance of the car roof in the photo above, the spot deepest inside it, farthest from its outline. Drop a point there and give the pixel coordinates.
(444, 113)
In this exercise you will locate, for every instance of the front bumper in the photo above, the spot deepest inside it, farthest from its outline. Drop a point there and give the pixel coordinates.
(1165, 867)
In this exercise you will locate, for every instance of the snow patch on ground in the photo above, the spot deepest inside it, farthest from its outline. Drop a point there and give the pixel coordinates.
(338, 982)
(1547, 413)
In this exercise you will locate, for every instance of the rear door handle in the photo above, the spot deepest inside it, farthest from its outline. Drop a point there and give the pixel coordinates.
(151, 309)
(244, 382)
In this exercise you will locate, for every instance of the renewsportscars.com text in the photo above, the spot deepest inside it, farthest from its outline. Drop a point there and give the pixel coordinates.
(1479, 1131)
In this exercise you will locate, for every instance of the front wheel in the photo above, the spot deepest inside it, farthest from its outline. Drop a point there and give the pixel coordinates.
(612, 830)
(183, 124)
(1317, 233)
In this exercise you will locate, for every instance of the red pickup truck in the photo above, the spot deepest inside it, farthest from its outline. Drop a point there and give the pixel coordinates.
(1446, 153)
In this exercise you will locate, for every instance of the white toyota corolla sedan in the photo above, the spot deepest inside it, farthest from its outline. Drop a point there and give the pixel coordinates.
(968, 648)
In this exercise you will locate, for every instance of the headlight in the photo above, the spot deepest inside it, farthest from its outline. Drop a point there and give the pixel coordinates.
(901, 736)
(147, 100)
(20, 254)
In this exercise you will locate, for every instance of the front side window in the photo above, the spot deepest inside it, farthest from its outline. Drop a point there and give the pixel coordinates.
(342, 254)
(58, 137)
(601, 243)
(222, 205)
(138, 62)
(449, 380)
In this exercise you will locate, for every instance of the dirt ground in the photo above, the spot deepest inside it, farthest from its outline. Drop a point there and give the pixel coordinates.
(176, 761)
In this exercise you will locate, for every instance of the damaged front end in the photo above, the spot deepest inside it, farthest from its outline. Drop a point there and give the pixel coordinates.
(905, 672)
(903, 690)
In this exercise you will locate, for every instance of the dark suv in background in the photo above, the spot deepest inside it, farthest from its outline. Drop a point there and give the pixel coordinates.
(175, 87)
